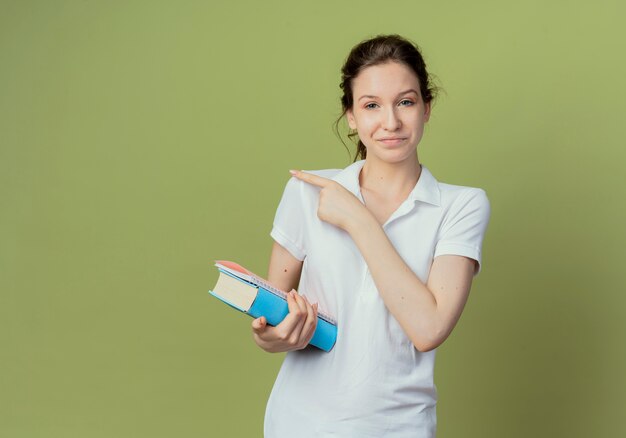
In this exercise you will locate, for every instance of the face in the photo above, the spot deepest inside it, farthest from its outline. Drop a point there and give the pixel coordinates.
(388, 112)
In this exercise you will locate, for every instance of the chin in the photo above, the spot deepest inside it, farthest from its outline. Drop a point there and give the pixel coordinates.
(394, 155)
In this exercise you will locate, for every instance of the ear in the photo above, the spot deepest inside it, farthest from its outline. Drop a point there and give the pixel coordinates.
(350, 117)
(427, 112)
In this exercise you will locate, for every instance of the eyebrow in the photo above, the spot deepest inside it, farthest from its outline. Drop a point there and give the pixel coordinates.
(399, 94)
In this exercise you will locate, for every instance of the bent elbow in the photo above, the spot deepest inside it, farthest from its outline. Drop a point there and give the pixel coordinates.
(424, 348)
(425, 345)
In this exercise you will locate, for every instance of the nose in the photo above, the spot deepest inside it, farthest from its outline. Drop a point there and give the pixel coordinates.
(391, 121)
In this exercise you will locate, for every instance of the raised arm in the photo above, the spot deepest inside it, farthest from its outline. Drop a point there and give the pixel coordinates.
(426, 312)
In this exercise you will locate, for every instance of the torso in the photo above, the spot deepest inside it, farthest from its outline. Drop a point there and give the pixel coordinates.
(381, 208)
(373, 382)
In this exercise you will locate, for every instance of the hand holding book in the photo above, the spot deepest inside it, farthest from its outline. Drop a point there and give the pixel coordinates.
(294, 332)
(291, 317)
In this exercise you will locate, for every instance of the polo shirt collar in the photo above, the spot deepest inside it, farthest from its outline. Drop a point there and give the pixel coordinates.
(426, 189)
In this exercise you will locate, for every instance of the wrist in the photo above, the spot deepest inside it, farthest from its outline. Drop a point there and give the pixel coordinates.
(361, 223)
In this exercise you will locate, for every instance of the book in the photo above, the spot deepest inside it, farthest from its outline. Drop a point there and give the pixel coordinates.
(247, 292)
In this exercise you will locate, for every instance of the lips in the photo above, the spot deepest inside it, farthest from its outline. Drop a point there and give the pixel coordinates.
(391, 141)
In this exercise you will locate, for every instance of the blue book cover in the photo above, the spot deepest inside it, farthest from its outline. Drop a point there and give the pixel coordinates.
(265, 300)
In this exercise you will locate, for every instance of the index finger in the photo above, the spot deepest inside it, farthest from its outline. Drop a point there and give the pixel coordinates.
(311, 178)
(294, 316)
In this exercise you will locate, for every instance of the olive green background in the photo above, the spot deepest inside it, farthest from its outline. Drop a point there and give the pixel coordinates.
(141, 140)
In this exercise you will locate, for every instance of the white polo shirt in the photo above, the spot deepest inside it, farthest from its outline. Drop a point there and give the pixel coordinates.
(373, 383)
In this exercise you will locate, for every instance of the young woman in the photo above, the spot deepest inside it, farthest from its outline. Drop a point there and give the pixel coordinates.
(385, 248)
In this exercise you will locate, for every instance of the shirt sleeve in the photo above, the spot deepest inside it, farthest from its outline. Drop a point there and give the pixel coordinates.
(463, 231)
(288, 228)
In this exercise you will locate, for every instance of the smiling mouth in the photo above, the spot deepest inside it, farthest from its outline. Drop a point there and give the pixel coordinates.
(392, 141)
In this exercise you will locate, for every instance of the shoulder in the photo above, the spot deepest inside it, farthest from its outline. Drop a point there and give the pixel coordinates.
(456, 196)
(456, 199)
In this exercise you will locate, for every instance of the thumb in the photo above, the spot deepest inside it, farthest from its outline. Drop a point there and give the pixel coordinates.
(259, 324)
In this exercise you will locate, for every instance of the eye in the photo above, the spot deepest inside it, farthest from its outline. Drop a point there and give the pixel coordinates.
(410, 102)
(368, 105)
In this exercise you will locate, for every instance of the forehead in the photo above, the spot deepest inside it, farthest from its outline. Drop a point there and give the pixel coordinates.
(383, 79)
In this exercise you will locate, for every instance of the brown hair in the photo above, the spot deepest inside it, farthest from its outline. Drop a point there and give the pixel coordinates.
(379, 50)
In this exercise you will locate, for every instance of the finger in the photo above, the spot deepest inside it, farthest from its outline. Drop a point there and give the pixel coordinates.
(261, 331)
(315, 321)
(296, 334)
(288, 324)
(309, 325)
(310, 178)
(299, 307)
(259, 324)
(301, 301)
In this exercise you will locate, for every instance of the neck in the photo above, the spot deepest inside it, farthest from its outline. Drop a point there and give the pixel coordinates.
(391, 180)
